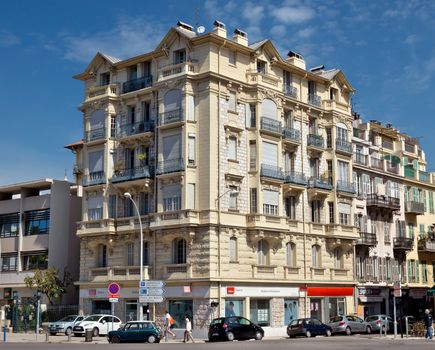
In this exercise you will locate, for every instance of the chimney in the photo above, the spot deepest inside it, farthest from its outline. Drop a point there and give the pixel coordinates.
(220, 29)
(185, 26)
(240, 37)
(296, 59)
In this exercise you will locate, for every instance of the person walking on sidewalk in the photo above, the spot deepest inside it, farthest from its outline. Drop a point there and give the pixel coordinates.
(428, 324)
(169, 321)
(188, 331)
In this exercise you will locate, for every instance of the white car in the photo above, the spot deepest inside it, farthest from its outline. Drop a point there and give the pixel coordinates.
(100, 325)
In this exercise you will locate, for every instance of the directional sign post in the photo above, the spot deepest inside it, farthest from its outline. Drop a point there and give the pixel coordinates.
(151, 291)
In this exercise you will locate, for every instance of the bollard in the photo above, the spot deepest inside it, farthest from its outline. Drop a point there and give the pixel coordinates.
(69, 337)
(47, 338)
(4, 334)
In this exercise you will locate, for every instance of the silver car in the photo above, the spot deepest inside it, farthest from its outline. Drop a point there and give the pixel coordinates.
(65, 325)
(349, 324)
(376, 321)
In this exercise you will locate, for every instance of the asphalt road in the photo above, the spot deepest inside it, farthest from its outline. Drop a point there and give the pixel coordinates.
(323, 343)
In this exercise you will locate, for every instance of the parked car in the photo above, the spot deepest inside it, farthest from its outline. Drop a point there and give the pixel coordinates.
(64, 325)
(308, 327)
(349, 324)
(378, 321)
(100, 325)
(136, 332)
(234, 328)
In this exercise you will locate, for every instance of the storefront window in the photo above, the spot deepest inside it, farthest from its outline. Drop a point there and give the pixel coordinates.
(337, 307)
(131, 310)
(316, 308)
(179, 309)
(260, 311)
(101, 307)
(233, 308)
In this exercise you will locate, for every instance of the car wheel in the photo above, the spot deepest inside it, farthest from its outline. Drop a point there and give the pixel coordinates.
(230, 336)
(152, 339)
(348, 331)
(328, 333)
(368, 329)
(53, 333)
(68, 331)
(95, 332)
(115, 339)
(308, 334)
(258, 335)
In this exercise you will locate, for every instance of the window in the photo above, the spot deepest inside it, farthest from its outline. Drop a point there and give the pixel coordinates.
(423, 271)
(269, 109)
(316, 256)
(333, 94)
(143, 203)
(260, 312)
(104, 78)
(179, 309)
(131, 114)
(191, 150)
(232, 102)
(315, 211)
(171, 147)
(95, 207)
(411, 230)
(113, 126)
(290, 207)
(331, 212)
(179, 251)
(422, 233)
(251, 115)
(146, 69)
(37, 222)
(270, 155)
(431, 206)
(190, 196)
(341, 132)
(102, 256)
(35, 262)
(8, 263)
(261, 67)
(132, 72)
(252, 156)
(270, 202)
(233, 307)
(9, 225)
(387, 237)
(179, 56)
(328, 137)
(171, 198)
(262, 252)
(343, 172)
(95, 165)
(146, 111)
(338, 258)
(232, 148)
(232, 57)
(290, 254)
(130, 254)
(128, 208)
(233, 249)
(146, 253)
(344, 213)
(233, 198)
(253, 200)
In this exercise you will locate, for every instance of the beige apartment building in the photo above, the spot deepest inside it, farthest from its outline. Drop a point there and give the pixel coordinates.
(37, 230)
(394, 212)
(241, 164)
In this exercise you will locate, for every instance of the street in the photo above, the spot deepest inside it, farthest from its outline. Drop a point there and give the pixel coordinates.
(332, 343)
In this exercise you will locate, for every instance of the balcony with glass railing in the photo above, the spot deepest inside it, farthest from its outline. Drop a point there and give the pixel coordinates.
(137, 84)
(129, 174)
(95, 134)
(359, 158)
(343, 146)
(292, 135)
(270, 125)
(315, 140)
(170, 166)
(271, 171)
(294, 177)
(94, 178)
(290, 91)
(134, 129)
(170, 117)
(314, 100)
(412, 207)
(345, 186)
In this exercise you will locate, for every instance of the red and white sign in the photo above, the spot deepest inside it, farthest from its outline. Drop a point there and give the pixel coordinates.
(397, 289)
(113, 290)
(231, 290)
(187, 289)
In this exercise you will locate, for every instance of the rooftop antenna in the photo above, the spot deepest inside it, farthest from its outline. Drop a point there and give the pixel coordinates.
(65, 178)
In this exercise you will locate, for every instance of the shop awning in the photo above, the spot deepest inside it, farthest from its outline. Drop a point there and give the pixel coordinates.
(330, 291)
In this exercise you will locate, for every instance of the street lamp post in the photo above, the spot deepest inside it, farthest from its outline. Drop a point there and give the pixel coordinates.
(128, 195)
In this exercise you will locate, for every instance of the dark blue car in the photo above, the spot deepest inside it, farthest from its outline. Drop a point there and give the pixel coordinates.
(308, 327)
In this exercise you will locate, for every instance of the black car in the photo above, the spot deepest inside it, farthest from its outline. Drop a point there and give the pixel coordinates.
(234, 328)
(308, 327)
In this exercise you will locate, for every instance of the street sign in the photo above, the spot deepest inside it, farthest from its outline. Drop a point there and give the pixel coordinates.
(151, 299)
(113, 290)
(151, 284)
(154, 291)
(397, 289)
(113, 300)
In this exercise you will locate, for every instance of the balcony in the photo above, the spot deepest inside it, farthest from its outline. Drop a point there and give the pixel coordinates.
(410, 148)
(424, 176)
(323, 183)
(171, 117)
(315, 140)
(290, 91)
(95, 134)
(170, 166)
(14, 277)
(359, 158)
(117, 273)
(177, 69)
(94, 178)
(270, 125)
(94, 92)
(271, 171)
(137, 84)
(416, 208)
(139, 172)
(403, 243)
(409, 171)
(427, 244)
(367, 239)
(292, 135)
(343, 146)
(134, 129)
(392, 168)
(388, 144)
(377, 163)
(253, 76)
(379, 201)
(314, 100)
(345, 186)
(295, 178)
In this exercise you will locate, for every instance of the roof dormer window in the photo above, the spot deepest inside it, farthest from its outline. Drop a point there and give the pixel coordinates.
(261, 67)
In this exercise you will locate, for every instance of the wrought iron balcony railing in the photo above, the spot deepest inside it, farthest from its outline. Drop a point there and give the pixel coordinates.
(137, 84)
(271, 171)
(290, 91)
(94, 178)
(315, 141)
(291, 134)
(170, 166)
(295, 178)
(95, 134)
(271, 125)
(412, 207)
(320, 182)
(403, 243)
(171, 117)
(134, 129)
(133, 173)
(343, 146)
(314, 100)
(345, 186)
(375, 200)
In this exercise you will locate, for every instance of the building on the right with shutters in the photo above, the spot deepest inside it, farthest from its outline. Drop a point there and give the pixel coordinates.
(394, 211)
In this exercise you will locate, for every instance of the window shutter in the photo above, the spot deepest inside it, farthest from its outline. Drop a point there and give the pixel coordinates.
(190, 107)
(190, 196)
(247, 115)
(172, 147)
(95, 161)
(270, 154)
(270, 197)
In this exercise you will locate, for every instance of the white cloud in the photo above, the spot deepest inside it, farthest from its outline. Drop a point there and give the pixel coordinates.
(306, 32)
(8, 39)
(411, 39)
(278, 30)
(293, 14)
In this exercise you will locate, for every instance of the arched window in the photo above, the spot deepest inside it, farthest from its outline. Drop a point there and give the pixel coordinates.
(316, 256)
(102, 256)
(172, 100)
(338, 258)
(263, 252)
(290, 254)
(268, 109)
(179, 251)
(233, 249)
(146, 253)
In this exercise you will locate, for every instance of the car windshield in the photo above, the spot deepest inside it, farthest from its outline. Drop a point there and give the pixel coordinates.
(336, 319)
(371, 318)
(92, 318)
(68, 319)
(217, 321)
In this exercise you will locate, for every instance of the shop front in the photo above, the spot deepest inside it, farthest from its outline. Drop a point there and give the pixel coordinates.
(373, 301)
(327, 302)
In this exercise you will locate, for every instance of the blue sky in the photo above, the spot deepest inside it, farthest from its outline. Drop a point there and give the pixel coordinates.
(385, 48)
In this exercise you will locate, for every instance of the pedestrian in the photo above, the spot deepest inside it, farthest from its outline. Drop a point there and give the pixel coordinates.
(428, 324)
(188, 331)
(169, 321)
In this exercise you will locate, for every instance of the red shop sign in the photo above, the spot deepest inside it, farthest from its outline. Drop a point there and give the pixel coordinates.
(330, 291)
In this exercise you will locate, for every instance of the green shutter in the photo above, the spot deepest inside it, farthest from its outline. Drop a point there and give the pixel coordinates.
(424, 200)
(422, 230)
(431, 207)
(423, 271)
(406, 194)
(408, 262)
(417, 271)
(415, 190)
